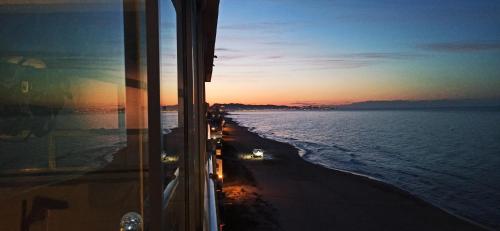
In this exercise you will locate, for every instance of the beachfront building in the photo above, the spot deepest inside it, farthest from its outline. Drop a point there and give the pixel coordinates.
(84, 143)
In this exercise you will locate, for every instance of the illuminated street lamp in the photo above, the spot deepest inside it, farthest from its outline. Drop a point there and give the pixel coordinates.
(258, 153)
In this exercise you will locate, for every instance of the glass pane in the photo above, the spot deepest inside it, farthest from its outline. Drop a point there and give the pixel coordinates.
(72, 114)
(168, 82)
(171, 118)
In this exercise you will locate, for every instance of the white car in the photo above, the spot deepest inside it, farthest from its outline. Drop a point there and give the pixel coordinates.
(258, 153)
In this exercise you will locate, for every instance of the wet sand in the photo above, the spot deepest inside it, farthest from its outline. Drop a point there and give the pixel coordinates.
(285, 192)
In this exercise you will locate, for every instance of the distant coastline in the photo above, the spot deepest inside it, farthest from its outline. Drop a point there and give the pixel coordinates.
(446, 104)
(489, 104)
(249, 107)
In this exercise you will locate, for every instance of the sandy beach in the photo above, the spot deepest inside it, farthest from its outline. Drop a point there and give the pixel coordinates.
(285, 192)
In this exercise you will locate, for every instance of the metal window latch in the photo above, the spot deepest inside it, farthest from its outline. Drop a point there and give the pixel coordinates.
(131, 221)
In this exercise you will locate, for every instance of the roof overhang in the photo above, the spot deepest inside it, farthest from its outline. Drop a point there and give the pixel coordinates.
(210, 14)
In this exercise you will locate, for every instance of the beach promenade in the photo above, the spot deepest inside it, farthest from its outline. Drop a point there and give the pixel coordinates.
(284, 192)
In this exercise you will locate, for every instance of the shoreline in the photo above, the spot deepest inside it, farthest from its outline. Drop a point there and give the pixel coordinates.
(408, 193)
(370, 178)
(385, 197)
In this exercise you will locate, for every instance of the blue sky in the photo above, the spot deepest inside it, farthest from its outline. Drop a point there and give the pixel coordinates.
(347, 51)
(282, 51)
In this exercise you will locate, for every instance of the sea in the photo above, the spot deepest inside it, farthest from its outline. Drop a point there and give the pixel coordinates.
(449, 158)
(81, 140)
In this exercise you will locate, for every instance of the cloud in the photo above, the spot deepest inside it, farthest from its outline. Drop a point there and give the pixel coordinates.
(383, 55)
(274, 57)
(15, 59)
(354, 60)
(461, 47)
(27, 62)
(336, 63)
(225, 49)
(295, 63)
(281, 43)
(35, 63)
(231, 57)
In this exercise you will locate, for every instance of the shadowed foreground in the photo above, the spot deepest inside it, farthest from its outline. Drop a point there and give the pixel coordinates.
(284, 192)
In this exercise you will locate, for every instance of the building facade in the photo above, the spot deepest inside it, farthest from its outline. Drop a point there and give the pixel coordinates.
(103, 115)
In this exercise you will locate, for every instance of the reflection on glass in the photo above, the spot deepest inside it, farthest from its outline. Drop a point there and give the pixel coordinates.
(68, 158)
(171, 119)
(172, 133)
(61, 86)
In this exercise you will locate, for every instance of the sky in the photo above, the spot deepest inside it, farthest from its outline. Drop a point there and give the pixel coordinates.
(269, 52)
(298, 52)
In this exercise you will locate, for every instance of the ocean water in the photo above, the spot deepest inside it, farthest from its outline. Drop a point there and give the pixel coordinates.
(169, 120)
(77, 140)
(450, 158)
